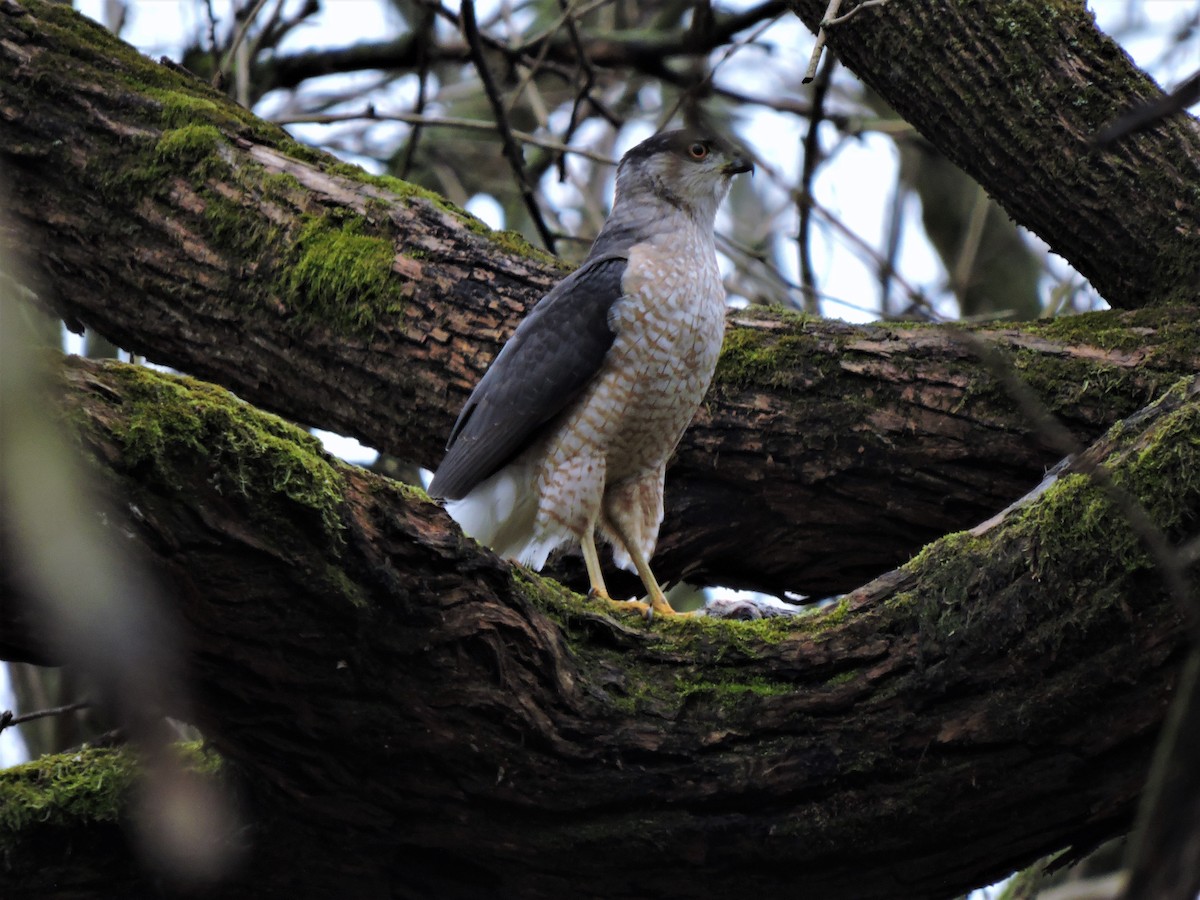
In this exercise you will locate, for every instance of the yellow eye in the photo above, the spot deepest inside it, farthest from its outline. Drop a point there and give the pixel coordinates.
(698, 150)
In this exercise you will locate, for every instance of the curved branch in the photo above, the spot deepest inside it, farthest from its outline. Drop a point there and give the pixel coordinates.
(825, 453)
(348, 639)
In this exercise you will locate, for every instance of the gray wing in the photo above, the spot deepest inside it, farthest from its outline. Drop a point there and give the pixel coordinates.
(550, 358)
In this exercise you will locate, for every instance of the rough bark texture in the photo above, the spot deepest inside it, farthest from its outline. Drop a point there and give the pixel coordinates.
(363, 307)
(1014, 93)
(407, 714)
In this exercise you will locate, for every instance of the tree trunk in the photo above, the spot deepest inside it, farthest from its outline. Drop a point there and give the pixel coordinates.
(406, 712)
(1014, 91)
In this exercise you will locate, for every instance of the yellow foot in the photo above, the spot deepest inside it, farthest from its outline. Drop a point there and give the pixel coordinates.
(647, 608)
(660, 607)
(642, 609)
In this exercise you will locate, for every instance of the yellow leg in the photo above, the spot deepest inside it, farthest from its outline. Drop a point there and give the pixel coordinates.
(654, 595)
(592, 560)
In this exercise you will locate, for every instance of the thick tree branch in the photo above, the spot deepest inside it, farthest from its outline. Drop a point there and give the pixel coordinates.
(467, 727)
(1014, 91)
(824, 455)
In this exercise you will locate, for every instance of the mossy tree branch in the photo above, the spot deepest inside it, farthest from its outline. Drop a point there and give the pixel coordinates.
(370, 308)
(1022, 670)
(1014, 91)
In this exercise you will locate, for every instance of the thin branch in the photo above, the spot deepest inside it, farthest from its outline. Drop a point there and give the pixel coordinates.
(832, 18)
(8, 719)
(866, 4)
(511, 151)
(960, 277)
(584, 68)
(869, 253)
(1144, 115)
(426, 28)
(812, 154)
(238, 37)
(887, 267)
(830, 12)
(441, 122)
(692, 86)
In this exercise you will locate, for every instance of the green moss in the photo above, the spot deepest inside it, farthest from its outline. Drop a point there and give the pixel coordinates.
(767, 358)
(731, 690)
(510, 241)
(843, 678)
(698, 639)
(340, 276)
(180, 109)
(192, 146)
(176, 424)
(1071, 519)
(1167, 336)
(87, 786)
(80, 787)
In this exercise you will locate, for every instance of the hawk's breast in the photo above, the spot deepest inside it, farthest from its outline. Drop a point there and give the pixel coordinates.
(669, 325)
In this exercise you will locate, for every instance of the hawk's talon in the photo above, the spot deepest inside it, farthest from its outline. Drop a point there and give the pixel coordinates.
(642, 609)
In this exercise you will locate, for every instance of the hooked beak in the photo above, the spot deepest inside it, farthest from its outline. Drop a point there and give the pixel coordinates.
(737, 165)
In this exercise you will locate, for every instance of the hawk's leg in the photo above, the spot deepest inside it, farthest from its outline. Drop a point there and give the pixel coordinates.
(656, 601)
(591, 559)
(654, 595)
(630, 516)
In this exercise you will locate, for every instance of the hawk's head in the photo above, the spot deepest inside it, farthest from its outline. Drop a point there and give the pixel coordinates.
(686, 169)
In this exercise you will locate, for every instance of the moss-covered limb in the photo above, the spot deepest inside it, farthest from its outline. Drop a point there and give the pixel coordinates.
(65, 822)
(443, 720)
(231, 253)
(827, 453)
(1013, 91)
(220, 238)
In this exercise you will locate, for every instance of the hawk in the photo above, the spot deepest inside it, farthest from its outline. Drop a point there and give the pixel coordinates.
(570, 429)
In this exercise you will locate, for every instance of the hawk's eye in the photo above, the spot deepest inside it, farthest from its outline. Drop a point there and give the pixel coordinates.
(698, 150)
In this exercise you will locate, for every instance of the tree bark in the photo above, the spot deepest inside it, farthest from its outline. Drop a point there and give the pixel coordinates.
(1014, 93)
(405, 712)
(824, 455)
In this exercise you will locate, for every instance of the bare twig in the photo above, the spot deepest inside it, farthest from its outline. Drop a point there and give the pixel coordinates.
(812, 158)
(887, 267)
(865, 251)
(414, 136)
(238, 37)
(8, 719)
(832, 18)
(968, 252)
(441, 122)
(831, 11)
(866, 4)
(584, 91)
(1144, 115)
(733, 48)
(511, 151)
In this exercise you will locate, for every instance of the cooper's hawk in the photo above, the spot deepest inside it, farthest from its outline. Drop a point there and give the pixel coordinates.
(571, 428)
